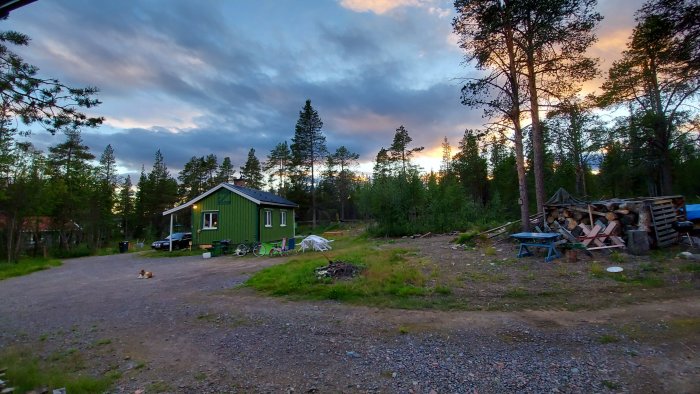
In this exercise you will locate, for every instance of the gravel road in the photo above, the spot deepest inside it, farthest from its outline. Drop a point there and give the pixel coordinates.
(190, 329)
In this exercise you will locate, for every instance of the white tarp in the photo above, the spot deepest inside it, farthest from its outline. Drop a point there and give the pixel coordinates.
(314, 242)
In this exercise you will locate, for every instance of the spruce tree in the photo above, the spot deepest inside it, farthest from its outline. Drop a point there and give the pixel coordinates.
(251, 172)
(308, 148)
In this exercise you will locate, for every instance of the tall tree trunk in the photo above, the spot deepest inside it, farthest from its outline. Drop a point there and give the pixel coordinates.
(522, 179)
(518, 137)
(537, 138)
(313, 197)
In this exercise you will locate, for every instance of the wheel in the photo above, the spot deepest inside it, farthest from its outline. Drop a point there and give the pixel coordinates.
(256, 249)
(241, 250)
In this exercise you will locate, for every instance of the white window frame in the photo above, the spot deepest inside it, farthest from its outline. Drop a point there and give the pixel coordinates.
(268, 218)
(283, 218)
(211, 220)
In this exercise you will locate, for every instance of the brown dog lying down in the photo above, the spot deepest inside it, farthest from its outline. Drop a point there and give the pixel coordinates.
(145, 274)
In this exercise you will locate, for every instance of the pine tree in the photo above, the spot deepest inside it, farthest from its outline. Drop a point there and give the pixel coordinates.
(125, 206)
(278, 163)
(471, 168)
(309, 148)
(162, 194)
(399, 150)
(251, 172)
(446, 164)
(226, 171)
(345, 160)
(70, 184)
(487, 33)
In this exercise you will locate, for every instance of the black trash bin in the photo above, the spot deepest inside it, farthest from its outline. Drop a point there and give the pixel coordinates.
(123, 246)
(225, 246)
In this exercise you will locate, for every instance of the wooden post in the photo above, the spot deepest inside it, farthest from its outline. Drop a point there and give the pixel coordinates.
(171, 233)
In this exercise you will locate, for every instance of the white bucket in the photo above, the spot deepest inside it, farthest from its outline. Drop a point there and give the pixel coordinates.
(206, 255)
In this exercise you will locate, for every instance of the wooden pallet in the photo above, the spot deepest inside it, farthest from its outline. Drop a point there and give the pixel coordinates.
(663, 215)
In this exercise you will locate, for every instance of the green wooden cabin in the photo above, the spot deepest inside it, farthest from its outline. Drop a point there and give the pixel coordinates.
(239, 214)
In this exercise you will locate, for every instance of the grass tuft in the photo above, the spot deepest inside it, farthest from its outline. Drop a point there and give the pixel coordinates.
(61, 369)
(604, 339)
(26, 267)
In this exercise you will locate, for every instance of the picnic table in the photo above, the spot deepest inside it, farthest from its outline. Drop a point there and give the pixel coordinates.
(539, 240)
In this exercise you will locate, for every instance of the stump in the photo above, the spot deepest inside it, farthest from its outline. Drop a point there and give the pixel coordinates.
(637, 242)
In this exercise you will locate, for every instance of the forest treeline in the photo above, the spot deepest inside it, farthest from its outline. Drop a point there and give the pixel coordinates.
(638, 137)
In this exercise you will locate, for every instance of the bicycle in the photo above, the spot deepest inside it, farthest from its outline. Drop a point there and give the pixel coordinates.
(248, 247)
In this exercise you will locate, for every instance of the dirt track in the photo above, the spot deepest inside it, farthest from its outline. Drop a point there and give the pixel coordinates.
(189, 330)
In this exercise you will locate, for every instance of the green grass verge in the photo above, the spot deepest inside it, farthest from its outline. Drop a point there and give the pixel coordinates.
(390, 277)
(27, 372)
(26, 267)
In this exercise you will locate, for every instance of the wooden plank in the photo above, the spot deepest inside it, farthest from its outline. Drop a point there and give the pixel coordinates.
(606, 247)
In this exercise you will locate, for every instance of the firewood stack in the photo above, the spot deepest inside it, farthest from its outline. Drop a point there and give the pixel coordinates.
(629, 214)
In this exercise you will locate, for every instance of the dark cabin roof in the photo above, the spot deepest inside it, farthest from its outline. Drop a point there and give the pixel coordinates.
(263, 197)
(257, 196)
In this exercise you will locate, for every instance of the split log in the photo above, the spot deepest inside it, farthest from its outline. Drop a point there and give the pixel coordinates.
(622, 211)
(585, 211)
(611, 206)
(571, 224)
(610, 216)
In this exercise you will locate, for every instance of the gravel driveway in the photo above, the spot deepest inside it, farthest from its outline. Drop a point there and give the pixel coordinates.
(189, 329)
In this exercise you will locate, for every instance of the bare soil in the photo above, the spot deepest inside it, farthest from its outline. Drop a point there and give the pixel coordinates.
(193, 329)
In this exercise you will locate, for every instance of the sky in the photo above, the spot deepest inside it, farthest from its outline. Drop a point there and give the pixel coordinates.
(192, 78)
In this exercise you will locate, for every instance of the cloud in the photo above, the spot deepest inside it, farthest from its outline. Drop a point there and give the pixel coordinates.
(377, 6)
(193, 80)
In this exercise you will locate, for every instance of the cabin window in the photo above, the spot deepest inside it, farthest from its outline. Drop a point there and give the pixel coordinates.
(283, 218)
(268, 218)
(210, 220)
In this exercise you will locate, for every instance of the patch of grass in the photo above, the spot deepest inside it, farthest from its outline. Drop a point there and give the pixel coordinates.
(609, 384)
(26, 267)
(490, 251)
(690, 267)
(516, 292)
(662, 255)
(102, 342)
(617, 257)
(390, 277)
(199, 376)
(444, 290)
(651, 267)
(484, 277)
(222, 320)
(139, 365)
(113, 375)
(27, 372)
(684, 327)
(596, 270)
(607, 338)
(640, 279)
(468, 238)
(403, 330)
(158, 386)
